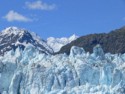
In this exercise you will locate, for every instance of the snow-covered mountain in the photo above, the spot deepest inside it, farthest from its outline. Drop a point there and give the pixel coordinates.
(13, 37)
(57, 43)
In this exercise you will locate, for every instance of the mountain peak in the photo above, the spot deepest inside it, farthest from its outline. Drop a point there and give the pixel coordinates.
(14, 37)
(13, 30)
(73, 37)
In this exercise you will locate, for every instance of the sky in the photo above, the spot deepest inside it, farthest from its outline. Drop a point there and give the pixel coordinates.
(63, 18)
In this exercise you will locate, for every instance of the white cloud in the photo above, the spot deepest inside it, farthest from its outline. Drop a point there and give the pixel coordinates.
(14, 16)
(39, 5)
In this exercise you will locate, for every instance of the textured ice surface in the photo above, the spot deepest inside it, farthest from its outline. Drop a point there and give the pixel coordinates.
(29, 72)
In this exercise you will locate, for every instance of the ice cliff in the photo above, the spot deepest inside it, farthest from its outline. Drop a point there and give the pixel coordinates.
(30, 72)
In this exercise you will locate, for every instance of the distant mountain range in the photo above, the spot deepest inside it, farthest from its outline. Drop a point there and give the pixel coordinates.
(113, 42)
(13, 37)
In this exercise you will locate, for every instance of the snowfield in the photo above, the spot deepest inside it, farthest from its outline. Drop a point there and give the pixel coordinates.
(31, 72)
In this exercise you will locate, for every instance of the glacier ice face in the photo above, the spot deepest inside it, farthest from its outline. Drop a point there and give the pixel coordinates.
(30, 72)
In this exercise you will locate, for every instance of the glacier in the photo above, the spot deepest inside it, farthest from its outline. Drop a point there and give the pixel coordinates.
(30, 72)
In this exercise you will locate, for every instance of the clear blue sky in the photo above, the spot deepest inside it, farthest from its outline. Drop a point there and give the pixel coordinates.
(59, 18)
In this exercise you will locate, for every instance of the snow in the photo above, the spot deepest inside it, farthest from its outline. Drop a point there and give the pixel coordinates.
(57, 43)
(13, 30)
(31, 72)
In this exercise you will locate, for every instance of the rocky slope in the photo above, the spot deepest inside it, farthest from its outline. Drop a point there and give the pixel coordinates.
(113, 42)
